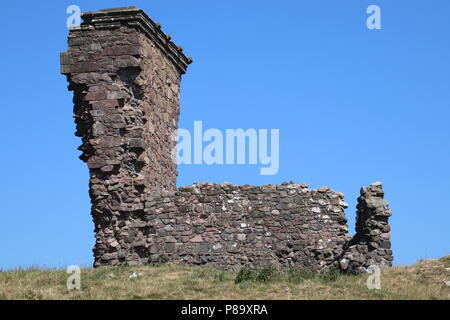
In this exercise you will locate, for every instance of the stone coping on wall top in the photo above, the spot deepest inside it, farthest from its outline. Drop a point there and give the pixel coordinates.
(199, 187)
(133, 16)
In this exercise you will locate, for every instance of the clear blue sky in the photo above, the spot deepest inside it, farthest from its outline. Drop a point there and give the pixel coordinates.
(353, 106)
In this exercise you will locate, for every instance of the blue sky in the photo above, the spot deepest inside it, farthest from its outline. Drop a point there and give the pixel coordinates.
(353, 106)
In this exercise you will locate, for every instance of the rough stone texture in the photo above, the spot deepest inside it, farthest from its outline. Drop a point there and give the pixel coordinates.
(126, 95)
(372, 243)
(125, 74)
(226, 226)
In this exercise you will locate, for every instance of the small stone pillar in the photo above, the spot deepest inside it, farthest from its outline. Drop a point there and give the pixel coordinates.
(371, 244)
(125, 74)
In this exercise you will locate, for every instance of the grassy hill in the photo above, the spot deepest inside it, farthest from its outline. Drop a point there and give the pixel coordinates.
(425, 280)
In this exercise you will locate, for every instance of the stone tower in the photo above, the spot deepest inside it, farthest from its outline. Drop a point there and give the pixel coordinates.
(125, 74)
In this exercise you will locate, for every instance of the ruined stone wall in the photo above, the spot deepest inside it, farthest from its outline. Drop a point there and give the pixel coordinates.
(371, 245)
(125, 74)
(226, 226)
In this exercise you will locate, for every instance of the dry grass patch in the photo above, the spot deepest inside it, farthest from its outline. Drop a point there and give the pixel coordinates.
(425, 280)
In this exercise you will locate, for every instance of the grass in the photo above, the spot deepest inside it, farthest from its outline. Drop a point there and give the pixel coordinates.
(425, 280)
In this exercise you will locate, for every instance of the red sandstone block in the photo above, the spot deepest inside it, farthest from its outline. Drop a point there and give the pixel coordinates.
(95, 96)
(105, 104)
(133, 39)
(81, 67)
(130, 50)
(95, 162)
(196, 239)
(94, 56)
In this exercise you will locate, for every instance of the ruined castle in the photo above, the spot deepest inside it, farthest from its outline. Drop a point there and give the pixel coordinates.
(125, 73)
